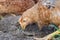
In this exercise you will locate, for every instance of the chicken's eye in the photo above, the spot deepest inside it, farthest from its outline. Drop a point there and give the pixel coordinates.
(24, 20)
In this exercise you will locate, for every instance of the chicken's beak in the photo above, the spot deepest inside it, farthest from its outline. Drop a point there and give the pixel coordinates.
(23, 27)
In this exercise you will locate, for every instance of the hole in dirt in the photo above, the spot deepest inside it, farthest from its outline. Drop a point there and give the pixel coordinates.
(32, 28)
(40, 33)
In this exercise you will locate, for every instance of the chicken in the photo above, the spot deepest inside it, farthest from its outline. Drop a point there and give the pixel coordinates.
(40, 14)
(15, 6)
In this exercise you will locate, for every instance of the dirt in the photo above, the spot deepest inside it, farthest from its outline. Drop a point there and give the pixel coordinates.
(11, 30)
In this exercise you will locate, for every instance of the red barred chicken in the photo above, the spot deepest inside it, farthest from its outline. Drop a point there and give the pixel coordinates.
(40, 14)
(15, 6)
